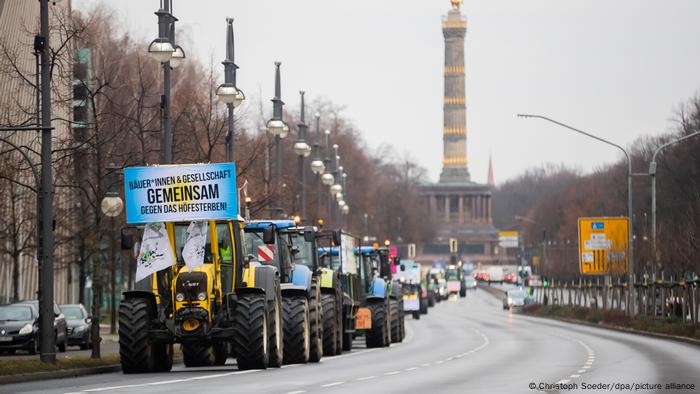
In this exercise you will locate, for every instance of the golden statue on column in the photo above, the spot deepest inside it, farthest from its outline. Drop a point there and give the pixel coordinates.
(456, 3)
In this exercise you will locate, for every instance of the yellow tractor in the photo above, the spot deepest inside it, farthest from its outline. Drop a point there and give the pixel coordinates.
(230, 305)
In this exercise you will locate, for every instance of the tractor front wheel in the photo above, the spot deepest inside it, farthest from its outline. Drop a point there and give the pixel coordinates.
(250, 327)
(297, 336)
(376, 336)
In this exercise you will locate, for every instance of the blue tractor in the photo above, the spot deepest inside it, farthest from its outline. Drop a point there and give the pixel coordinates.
(285, 245)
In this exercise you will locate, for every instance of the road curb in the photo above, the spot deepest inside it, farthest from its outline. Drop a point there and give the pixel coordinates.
(63, 373)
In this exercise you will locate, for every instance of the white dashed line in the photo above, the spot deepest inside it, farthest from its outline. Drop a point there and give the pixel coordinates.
(575, 376)
(425, 365)
(411, 369)
(581, 371)
(332, 384)
(563, 381)
(297, 392)
(392, 373)
(366, 378)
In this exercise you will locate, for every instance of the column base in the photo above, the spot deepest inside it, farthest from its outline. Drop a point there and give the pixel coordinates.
(455, 175)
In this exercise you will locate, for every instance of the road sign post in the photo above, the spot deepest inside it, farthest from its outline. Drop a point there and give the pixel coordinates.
(603, 245)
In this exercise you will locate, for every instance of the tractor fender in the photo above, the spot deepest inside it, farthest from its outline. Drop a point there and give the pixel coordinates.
(378, 288)
(328, 279)
(290, 290)
(301, 276)
(149, 297)
(261, 277)
(371, 299)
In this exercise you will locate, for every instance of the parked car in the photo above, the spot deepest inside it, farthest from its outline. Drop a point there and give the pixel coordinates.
(19, 328)
(60, 328)
(78, 323)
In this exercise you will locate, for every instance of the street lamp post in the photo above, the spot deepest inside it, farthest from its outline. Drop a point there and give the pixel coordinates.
(162, 50)
(328, 179)
(46, 313)
(317, 165)
(630, 238)
(279, 129)
(111, 207)
(303, 150)
(228, 92)
(652, 174)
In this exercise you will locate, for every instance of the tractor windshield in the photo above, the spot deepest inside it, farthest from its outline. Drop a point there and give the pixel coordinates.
(305, 254)
(329, 261)
(180, 230)
(452, 274)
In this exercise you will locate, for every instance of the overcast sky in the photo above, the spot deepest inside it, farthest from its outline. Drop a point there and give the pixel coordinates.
(616, 68)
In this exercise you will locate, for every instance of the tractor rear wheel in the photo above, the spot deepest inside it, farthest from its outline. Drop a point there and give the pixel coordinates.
(251, 331)
(315, 323)
(135, 348)
(423, 306)
(330, 325)
(297, 342)
(197, 354)
(376, 336)
(389, 322)
(431, 299)
(395, 324)
(416, 315)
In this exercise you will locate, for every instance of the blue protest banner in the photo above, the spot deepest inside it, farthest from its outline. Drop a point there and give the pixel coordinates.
(173, 193)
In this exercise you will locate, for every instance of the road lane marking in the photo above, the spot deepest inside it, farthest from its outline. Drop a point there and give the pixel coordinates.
(586, 366)
(392, 373)
(297, 392)
(439, 362)
(366, 378)
(411, 369)
(164, 382)
(564, 381)
(581, 371)
(332, 384)
(575, 376)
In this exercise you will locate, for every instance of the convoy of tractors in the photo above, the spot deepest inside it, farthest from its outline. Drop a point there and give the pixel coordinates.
(265, 292)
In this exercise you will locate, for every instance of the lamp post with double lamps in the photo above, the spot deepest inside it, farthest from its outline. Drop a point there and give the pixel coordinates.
(228, 92)
(630, 236)
(279, 129)
(303, 150)
(164, 50)
(336, 187)
(317, 165)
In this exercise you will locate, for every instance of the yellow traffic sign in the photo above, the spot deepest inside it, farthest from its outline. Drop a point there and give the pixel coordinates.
(603, 245)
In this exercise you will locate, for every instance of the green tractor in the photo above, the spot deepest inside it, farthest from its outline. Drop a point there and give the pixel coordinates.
(221, 308)
(289, 248)
(340, 289)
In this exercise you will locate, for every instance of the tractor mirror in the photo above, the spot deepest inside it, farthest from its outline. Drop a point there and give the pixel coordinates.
(403, 267)
(269, 235)
(309, 234)
(295, 250)
(336, 237)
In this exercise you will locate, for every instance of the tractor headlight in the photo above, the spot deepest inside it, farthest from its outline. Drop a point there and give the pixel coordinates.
(27, 329)
(179, 297)
(202, 296)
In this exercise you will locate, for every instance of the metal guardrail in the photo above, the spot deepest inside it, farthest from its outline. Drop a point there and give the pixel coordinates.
(677, 299)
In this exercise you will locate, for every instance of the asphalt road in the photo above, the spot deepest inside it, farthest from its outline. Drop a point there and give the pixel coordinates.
(465, 345)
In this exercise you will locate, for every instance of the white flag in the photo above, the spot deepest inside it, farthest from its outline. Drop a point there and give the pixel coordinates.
(156, 253)
(193, 251)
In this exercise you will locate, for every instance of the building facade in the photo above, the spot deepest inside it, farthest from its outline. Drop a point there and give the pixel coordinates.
(460, 208)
